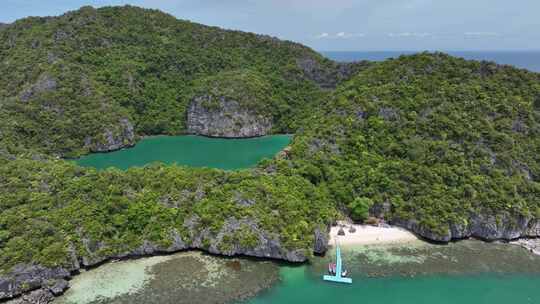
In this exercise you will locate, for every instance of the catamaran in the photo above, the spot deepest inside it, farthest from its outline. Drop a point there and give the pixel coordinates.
(336, 271)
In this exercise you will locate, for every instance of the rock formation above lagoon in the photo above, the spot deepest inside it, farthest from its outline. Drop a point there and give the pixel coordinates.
(234, 104)
(228, 119)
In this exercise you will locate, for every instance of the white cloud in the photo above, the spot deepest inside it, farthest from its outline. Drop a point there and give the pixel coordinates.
(481, 34)
(322, 36)
(409, 34)
(340, 35)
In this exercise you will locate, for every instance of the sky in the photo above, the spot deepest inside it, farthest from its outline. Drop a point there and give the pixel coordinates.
(345, 25)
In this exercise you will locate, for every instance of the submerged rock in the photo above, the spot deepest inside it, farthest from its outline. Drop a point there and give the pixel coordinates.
(162, 279)
(533, 245)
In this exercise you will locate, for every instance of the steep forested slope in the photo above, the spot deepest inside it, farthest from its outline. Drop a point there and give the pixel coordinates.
(56, 218)
(92, 80)
(447, 147)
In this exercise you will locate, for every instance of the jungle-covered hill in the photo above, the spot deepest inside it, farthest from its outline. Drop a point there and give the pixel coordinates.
(445, 147)
(95, 79)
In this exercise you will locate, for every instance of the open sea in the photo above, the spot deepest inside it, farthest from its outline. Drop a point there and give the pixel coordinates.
(522, 59)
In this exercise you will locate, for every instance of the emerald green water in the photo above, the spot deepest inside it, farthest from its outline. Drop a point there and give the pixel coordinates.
(195, 151)
(299, 286)
(466, 273)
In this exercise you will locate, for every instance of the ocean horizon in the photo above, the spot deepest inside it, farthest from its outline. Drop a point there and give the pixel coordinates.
(529, 60)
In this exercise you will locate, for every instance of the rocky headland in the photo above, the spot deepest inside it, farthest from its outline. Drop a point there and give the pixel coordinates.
(480, 226)
(36, 284)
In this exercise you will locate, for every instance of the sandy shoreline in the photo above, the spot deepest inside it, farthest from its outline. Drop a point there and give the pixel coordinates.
(369, 235)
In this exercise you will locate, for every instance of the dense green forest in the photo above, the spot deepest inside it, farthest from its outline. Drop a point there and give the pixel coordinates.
(51, 208)
(427, 138)
(96, 79)
(83, 73)
(438, 138)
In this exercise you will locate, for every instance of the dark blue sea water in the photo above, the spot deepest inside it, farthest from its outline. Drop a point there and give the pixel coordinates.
(522, 59)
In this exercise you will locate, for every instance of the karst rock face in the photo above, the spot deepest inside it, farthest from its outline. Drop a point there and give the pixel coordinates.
(482, 226)
(225, 117)
(38, 284)
(113, 138)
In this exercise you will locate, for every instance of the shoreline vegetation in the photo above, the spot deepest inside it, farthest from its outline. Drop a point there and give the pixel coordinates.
(440, 146)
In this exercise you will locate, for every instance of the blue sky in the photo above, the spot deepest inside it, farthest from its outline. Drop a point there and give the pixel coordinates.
(346, 24)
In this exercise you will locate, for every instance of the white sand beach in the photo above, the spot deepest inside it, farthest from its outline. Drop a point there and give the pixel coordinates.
(369, 235)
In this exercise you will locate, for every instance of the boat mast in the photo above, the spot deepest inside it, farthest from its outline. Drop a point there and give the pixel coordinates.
(338, 260)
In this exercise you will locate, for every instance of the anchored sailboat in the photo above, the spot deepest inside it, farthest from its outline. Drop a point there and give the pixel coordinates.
(337, 273)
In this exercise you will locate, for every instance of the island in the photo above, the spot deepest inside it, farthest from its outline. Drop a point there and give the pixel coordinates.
(441, 146)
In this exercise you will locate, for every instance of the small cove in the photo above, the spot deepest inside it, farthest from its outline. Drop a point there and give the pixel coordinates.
(193, 151)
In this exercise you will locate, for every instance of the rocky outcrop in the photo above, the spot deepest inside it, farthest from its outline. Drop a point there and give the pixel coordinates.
(381, 210)
(417, 228)
(533, 245)
(388, 114)
(121, 136)
(39, 296)
(36, 284)
(482, 226)
(321, 241)
(25, 278)
(265, 245)
(45, 83)
(330, 75)
(223, 117)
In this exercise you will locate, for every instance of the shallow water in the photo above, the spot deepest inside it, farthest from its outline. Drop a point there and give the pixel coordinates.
(465, 272)
(300, 287)
(415, 272)
(194, 151)
(192, 277)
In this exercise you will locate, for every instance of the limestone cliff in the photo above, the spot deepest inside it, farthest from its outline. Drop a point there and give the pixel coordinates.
(37, 284)
(227, 119)
(113, 138)
(482, 226)
(232, 104)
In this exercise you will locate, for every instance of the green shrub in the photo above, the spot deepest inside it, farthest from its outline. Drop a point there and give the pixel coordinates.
(359, 208)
